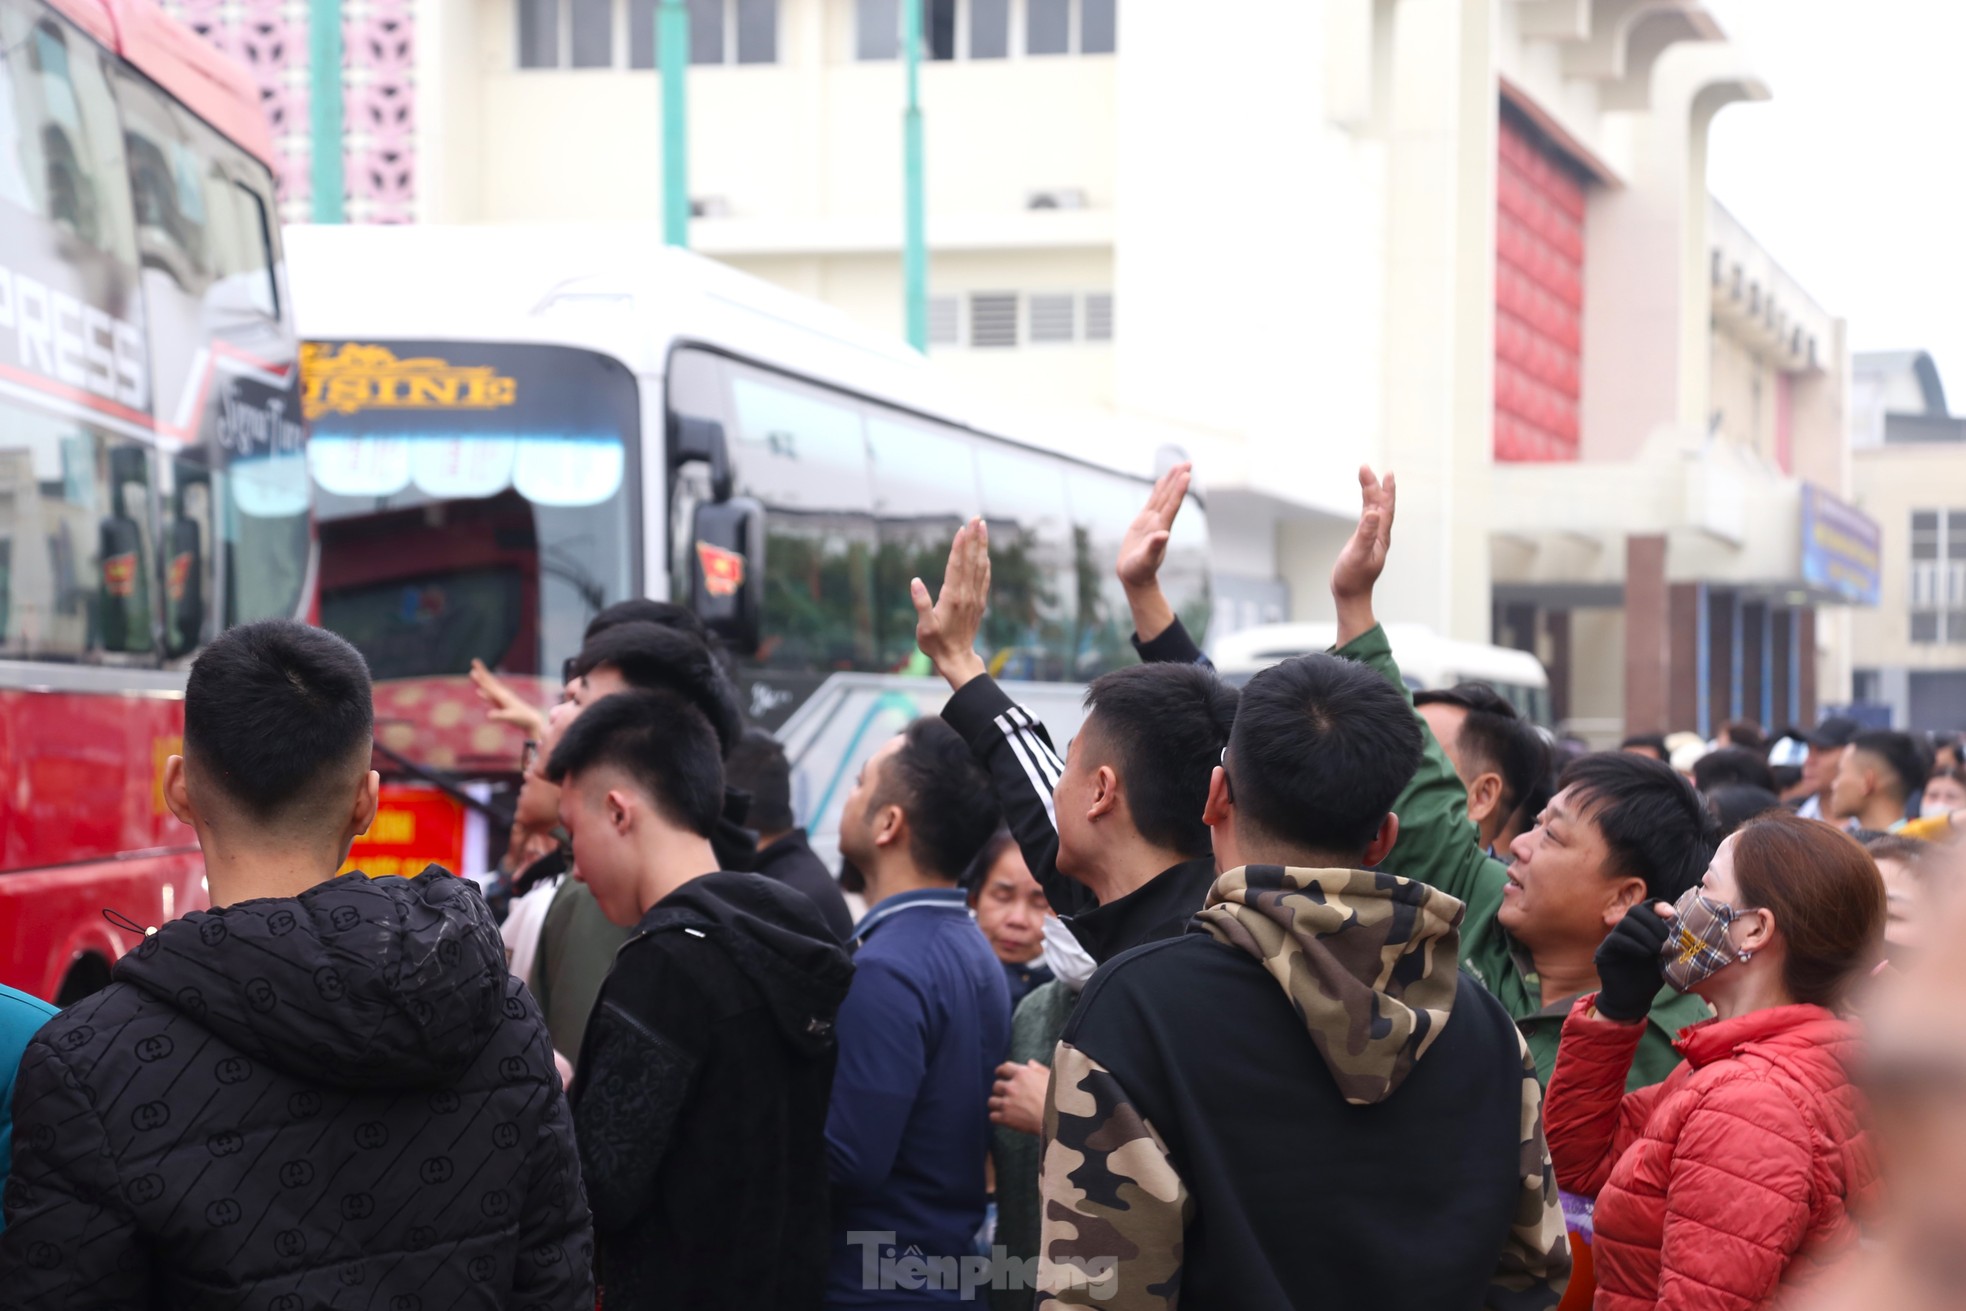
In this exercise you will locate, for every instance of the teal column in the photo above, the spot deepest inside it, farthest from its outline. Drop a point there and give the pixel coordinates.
(325, 111)
(672, 55)
(914, 248)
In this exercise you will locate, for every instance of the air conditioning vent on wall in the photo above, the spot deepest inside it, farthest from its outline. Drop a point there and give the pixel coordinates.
(992, 319)
(1056, 198)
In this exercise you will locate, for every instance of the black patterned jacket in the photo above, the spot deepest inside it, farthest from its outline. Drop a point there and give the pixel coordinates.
(340, 1099)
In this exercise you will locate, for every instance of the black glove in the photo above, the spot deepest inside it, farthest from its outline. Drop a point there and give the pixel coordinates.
(1629, 968)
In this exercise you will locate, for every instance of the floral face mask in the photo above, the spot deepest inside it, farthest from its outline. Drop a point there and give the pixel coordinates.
(1700, 946)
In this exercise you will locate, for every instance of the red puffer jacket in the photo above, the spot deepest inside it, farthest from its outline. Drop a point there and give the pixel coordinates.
(1731, 1182)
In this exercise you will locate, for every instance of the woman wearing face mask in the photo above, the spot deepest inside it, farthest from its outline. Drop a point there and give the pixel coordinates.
(1734, 1181)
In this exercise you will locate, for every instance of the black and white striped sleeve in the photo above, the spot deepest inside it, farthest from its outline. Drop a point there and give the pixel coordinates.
(1012, 744)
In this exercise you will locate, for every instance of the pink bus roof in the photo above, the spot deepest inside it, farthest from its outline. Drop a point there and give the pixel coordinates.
(178, 60)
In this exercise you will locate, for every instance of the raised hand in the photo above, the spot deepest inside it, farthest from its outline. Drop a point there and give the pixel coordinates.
(946, 629)
(507, 706)
(1145, 545)
(1144, 548)
(1363, 558)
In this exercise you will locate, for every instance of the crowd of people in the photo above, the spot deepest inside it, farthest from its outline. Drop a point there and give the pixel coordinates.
(1312, 992)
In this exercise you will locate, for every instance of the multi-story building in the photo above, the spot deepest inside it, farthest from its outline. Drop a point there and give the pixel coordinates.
(1469, 240)
(1910, 457)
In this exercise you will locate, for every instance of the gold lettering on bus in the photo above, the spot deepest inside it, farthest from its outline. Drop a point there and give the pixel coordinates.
(360, 377)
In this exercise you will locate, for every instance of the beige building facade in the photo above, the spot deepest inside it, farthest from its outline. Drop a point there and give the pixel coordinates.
(1468, 240)
(1909, 453)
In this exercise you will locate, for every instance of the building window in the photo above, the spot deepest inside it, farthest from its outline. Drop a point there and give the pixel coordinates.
(1938, 576)
(988, 29)
(945, 321)
(1099, 316)
(1054, 317)
(1071, 27)
(592, 24)
(539, 34)
(587, 34)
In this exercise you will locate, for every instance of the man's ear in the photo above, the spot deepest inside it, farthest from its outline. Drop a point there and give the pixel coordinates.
(368, 799)
(1105, 793)
(1484, 795)
(177, 792)
(1215, 811)
(1625, 893)
(891, 826)
(621, 810)
(1382, 841)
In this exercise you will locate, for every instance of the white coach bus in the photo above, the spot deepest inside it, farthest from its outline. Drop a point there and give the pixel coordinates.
(514, 427)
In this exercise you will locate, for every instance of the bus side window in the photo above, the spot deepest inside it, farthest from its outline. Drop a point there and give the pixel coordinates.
(924, 479)
(1103, 504)
(64, 162)
(802, 453)
(1033, 584)
(1184, 575)
(76, 523)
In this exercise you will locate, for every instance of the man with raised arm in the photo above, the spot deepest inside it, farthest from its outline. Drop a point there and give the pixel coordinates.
(1621, 829)
(1302, 1101)
(1114, 832)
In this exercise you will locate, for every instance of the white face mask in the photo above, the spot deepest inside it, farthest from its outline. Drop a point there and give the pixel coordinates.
(1934, 810)
(1064, 957)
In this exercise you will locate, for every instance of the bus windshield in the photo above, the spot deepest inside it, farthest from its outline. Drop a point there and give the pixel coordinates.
(473, 500)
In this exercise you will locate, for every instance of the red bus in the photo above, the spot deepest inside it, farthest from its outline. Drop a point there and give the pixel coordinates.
(153, 484)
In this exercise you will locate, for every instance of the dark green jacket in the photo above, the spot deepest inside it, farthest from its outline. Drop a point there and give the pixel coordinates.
(1438, 845)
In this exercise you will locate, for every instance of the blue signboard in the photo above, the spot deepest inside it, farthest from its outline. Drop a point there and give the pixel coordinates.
(1842, 548)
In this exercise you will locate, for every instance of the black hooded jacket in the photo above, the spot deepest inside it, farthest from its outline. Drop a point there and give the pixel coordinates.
(336, 1099)
(701, 1100)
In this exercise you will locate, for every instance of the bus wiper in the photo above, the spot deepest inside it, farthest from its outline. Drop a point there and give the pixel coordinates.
(445, 784)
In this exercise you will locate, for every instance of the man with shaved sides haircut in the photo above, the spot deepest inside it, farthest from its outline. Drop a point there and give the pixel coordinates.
(325, 1088)
(1113, 832)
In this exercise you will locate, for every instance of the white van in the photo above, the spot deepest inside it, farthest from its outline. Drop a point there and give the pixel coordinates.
(1427, 660)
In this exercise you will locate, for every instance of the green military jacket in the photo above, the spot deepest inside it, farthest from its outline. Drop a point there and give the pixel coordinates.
(1438, 846)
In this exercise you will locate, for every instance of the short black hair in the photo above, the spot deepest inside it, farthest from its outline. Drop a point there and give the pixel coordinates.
(1656, 741)
(642, 610)
(948, 798)
(1732, 766)
(1163, 727)
(274, 708)
(1469, 696)
(1495, 736)
(1734, 804)
(654, 655)
(759, 767)
(1321, 749)
(1653, 823)
(661, 741)
(1902, 755)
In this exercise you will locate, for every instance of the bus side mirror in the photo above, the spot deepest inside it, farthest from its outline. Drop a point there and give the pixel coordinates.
(701, 440)
(727, 567)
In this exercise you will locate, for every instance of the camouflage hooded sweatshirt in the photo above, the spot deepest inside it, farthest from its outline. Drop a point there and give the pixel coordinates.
(1302, 1102)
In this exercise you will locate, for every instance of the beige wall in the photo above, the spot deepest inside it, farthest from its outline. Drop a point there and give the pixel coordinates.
(814, 137)
(1892, 481)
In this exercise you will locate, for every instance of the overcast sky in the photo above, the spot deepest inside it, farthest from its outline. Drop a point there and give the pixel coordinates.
(1854, 176)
